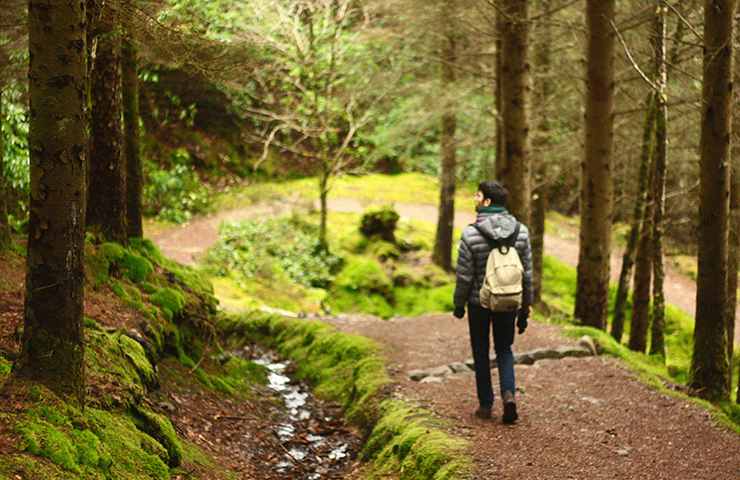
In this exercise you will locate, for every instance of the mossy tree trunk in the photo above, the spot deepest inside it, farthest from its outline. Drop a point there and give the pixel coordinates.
(442, 254)
(657, 337)
(544, 90)
(630, 250)
(516, 93)
(643, 273)
(596, 183)
(709, 363)
(5, 239)
(53, 348)
(323, 207)
(106, 207)
(134, 173)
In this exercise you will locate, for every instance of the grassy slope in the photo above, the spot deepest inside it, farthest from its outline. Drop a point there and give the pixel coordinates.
(116, 436)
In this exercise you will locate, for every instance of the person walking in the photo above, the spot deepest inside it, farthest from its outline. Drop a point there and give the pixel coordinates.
(495, 227)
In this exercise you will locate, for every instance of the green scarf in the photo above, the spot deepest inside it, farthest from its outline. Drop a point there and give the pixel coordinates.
(492, 209)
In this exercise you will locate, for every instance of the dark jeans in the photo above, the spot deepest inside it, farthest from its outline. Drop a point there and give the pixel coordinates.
(479, 321)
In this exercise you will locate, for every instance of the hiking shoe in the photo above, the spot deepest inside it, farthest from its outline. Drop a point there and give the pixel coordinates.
(483, 413)
(510, 415)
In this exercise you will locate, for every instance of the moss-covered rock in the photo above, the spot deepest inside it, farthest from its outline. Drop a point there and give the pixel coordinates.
(380, 222)
(160, 428)
(361, 274)
(170, 300)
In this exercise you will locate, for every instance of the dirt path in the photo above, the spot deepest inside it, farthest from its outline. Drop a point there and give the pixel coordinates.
(186, 242)
(586, 418)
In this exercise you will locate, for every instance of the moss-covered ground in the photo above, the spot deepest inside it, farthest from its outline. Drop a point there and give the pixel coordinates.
(116, 435)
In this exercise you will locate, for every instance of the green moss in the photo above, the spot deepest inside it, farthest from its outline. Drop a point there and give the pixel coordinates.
(120, 363)
(409, 440)
(371, 303)
(170, 300)
(135, 267)
(363, 275)
(5, 367)
(413, 301)
(160, 428)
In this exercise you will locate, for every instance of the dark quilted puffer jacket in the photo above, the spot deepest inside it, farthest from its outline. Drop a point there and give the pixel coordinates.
(474, 250)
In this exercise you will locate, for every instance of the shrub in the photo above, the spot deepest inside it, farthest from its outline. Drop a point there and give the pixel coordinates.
(175, 195)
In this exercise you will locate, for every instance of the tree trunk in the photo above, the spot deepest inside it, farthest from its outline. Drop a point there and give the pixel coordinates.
(544, 91)
(628, 258)
(709, 363)
(657, 340)
(53, 348)
(516, 91)
(499, 170)
(643, 273)
(596, 184)
(442, 254)
(324, 207)
(106, 207)
(134, 173)
(5, 239)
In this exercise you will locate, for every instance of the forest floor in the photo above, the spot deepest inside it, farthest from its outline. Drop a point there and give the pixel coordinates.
(580, 417)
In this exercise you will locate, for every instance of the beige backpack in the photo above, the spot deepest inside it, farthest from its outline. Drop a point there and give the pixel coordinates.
(502, 285)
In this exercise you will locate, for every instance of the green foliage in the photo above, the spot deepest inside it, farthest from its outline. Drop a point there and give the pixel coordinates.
(5, 367)
(273, 247)
(175, 194)
(15, 165)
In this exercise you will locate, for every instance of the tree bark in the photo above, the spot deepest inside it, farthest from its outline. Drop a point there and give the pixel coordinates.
(628, 258)
(5, 239)
(516, 92)
(544, 90)
(442, 254)
(596, 184)
(53, 348)
(709, 364)
(324, 207)
(499, 171)
(106, 207)
(643, 273)
(657, 339)
(134, 173)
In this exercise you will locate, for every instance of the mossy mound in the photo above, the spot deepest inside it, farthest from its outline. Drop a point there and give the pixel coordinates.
(58, 441)
(380, 222)
(160, 428)
(408, 440)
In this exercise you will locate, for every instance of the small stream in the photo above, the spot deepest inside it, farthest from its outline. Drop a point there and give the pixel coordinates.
(314, 441)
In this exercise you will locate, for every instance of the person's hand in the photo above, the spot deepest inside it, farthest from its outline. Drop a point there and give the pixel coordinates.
(459, 312)
(522, 319)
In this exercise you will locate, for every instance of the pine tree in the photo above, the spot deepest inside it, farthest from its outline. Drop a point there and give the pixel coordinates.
(52, 351)
(515, 99)
(709, 363)
(4, 226)
(106, 208)
(596, 187)
(134, 173)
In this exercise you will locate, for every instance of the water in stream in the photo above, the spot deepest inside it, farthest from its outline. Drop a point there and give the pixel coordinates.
(315, 442)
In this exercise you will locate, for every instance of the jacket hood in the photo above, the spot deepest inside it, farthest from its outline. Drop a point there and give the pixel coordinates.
(497, 225)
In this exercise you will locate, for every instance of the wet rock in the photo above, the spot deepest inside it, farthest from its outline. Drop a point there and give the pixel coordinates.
(459, 367)
(417, 375)
(568, 351)
(588, 343)
(431, 380)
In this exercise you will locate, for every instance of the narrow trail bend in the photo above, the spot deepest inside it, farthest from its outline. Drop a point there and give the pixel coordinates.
(186, 242)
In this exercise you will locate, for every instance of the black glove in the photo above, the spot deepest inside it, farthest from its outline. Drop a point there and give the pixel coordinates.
(521, 319)
(459, 312)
